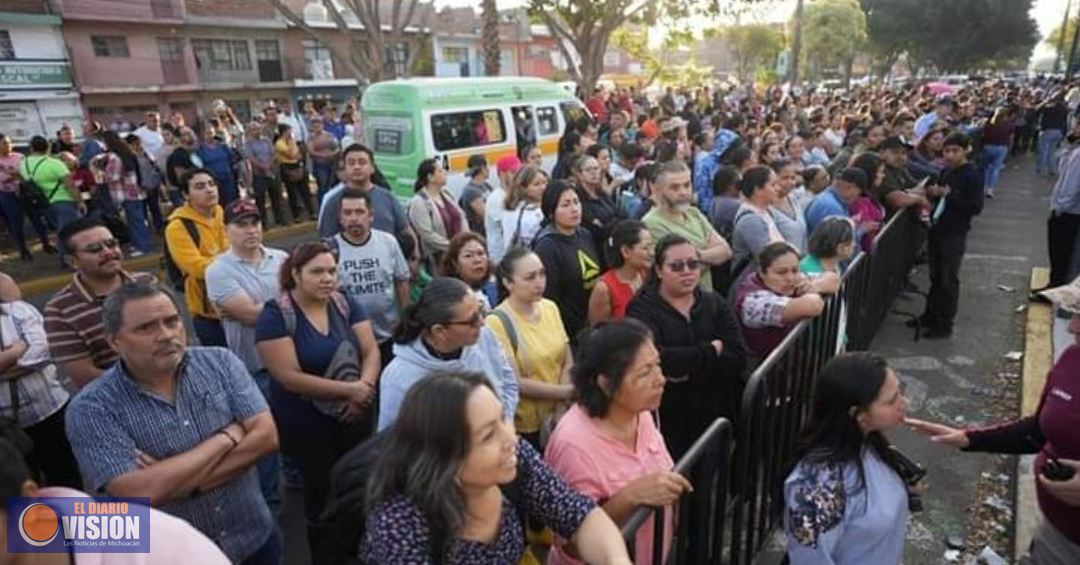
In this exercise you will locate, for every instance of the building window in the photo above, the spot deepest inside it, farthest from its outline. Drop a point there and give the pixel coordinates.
(268, 56)
(464, 130)
(221, 54)
(396, 57)
(7, 50)
(611, 59)
(317, 60)
(455, 54)
(171, 48)
(110, 46)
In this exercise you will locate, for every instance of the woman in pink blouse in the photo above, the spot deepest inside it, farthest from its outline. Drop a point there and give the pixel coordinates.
(607, 445)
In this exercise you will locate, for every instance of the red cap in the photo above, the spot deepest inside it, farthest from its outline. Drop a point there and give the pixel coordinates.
(508, 164)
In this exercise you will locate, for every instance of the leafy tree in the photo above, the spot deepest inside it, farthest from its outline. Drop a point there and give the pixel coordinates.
(584, 28)
(492, 58)
(1055, 35)
(834, 32)
(654, 61)
(752, 45)
(367, 53)
(962, 34)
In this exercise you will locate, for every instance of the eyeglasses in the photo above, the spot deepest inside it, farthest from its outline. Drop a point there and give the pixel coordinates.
(476, 320)
(680, 266)
(100, 246)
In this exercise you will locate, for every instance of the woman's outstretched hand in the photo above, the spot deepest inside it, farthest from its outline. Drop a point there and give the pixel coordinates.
(939, 433)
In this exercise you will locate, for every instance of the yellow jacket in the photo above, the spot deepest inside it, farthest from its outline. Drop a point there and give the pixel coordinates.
(192, 260)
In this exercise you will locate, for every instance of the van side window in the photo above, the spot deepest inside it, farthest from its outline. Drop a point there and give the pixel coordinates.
(461, 130)
(549, 124)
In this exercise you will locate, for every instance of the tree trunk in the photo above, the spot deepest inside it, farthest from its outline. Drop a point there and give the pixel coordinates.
(492, 59)
(796, 45)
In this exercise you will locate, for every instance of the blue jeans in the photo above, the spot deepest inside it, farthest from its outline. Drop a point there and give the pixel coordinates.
(13, 212)
(269, 466)
(270, 553)
(1048, 142)
(324, 176)
(135, 210)
(153, 205)
(994, 159)
(63, 213)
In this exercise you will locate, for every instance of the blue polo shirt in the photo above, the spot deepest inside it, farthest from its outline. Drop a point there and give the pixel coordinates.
(113, 416)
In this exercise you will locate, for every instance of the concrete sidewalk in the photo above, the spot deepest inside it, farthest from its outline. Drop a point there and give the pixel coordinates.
(967, 380)
(150, 261)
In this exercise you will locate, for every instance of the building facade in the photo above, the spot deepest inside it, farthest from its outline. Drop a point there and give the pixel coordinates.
(37, 94)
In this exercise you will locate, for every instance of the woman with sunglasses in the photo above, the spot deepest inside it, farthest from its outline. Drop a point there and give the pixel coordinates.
(776, 296)
(324, 362)
(701, 351)
(443, 331)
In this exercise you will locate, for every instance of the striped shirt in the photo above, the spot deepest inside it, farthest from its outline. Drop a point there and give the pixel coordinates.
(113, 417)
(40, 393)
(74, 325)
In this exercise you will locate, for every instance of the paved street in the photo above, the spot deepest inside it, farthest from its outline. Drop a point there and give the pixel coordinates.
(958, 380)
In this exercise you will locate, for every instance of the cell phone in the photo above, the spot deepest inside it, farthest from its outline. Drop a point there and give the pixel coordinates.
(1057, 471)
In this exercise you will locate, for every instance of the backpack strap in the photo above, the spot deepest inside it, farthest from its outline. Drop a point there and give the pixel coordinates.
(508, 326)
(288, 312)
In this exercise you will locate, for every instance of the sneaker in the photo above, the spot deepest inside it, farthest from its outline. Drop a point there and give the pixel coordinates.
(1034, 296)
(136, 253)
(989, 195)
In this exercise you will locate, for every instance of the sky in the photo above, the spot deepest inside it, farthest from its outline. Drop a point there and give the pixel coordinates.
(1048, 14)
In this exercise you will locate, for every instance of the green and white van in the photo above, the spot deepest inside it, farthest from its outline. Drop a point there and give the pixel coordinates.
(407, 121)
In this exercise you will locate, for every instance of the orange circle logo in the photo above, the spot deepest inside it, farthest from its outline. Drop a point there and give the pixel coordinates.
(38, 524)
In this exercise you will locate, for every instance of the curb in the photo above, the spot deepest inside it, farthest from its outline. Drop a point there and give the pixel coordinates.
(1038, 358)
(148, 262)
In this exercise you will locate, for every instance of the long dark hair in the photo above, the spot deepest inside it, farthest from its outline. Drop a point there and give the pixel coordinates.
(301, 255)
(870, 164)
(609, 350)
(436, 305)
(114, 144)
(625, 233)
(504, 271)
(847, 385)
(424, 451)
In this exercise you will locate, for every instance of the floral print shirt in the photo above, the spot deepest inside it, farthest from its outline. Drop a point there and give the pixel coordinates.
(397, 531)
(831, 517)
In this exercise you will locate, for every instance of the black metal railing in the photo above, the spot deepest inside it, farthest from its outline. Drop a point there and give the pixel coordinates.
(776, 400)
(699, 526)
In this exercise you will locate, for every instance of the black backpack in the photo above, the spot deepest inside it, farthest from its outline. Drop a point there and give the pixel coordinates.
(168, 266)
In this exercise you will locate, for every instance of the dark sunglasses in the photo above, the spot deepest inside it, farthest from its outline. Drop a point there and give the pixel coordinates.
(680, 266)
(100, 246)
(476, 320)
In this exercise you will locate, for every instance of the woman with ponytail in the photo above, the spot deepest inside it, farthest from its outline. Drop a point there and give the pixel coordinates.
(630, 254)
(443, 331)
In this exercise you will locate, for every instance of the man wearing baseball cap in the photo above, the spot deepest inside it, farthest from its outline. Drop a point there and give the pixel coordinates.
(894, 190)
(836, 200)
(238, 283)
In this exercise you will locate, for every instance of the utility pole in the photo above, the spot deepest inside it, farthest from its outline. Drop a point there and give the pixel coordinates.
(1072, 53)
(1061, 38)
(796, 44)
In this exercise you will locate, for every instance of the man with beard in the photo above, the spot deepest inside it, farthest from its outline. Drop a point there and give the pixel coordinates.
(371, 267)
(182, 426)
(73, 315)
(674, 214)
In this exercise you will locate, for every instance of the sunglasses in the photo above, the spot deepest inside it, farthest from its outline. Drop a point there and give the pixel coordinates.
(100, 246)
(476, 320)
(680, 266)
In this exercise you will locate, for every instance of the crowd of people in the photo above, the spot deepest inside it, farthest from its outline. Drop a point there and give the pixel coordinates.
(468, 376)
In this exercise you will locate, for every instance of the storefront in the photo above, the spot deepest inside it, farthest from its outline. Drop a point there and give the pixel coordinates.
(37, 98)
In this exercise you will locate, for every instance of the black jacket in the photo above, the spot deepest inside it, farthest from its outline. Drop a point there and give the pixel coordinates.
(715, 382)
(964, 201)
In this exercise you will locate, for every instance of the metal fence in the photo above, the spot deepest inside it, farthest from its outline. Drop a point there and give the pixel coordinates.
(700, 519)
(736, 486)
(776, 400)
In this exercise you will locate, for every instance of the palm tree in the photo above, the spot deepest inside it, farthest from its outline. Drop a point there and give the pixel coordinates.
(490, 15)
